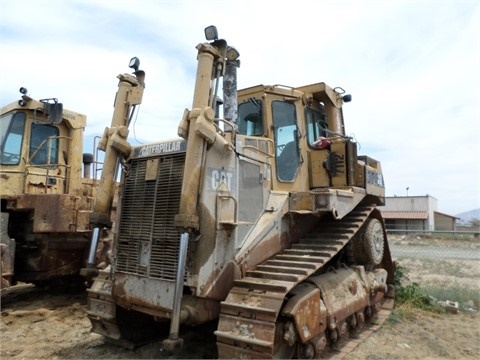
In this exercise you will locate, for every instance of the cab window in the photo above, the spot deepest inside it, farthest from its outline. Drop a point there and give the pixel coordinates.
(11, 130)
(43, 143)
(317, 125)
(250, 119)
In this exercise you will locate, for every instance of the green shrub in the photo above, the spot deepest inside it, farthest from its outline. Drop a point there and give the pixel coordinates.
(411, 295)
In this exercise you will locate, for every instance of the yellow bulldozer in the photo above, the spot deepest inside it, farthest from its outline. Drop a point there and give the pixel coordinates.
(50, 207)
(264, 219)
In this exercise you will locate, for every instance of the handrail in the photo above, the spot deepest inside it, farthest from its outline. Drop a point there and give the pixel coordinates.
(269, 141)
(95, 158)
(49, 149)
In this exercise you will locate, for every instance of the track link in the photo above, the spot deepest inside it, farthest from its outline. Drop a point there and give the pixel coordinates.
(247, 324)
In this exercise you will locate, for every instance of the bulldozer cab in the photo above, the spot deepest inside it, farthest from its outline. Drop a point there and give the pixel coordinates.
(40, 145)
(310, 150)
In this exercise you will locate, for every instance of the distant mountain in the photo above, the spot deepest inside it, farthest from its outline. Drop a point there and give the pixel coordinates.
(467, 216)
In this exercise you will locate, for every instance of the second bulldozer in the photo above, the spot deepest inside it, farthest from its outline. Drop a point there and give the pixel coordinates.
(50, 211)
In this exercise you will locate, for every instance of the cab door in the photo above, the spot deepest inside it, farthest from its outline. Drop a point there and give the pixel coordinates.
(291, 172)
(287, 150)
(12, 156)
(46, 165)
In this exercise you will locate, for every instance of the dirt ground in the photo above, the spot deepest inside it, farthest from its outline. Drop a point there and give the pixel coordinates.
(42, 325)
(423, 335)
(38, 324)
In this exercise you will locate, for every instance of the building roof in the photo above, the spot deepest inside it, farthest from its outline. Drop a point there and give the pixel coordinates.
(417, 215)
(447, 215)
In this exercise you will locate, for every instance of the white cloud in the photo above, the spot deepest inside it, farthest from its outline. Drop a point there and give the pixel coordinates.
(412, 68)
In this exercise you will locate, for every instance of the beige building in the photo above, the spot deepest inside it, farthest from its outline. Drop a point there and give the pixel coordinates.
(415, 213)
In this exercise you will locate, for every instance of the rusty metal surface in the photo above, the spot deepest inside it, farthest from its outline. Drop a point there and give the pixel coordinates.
(101, 307)
(249, 319)
(57, 213)
(304, 308)
(143, 292)
(343, 292)
(51, 235)
(52, 257)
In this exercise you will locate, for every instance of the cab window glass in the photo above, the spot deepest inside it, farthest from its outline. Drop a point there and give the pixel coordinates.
(286, 140)
(43, 143)
(250, 120)
(317, 125)
(11, 130)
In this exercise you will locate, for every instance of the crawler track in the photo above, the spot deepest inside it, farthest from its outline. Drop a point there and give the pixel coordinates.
(248, 324)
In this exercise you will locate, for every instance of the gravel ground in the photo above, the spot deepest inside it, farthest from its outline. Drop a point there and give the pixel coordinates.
(37, 324)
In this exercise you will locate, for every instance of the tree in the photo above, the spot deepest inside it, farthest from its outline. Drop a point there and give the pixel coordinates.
(474, 223)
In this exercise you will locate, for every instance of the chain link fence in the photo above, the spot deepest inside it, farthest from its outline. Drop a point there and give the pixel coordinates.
(445, 265)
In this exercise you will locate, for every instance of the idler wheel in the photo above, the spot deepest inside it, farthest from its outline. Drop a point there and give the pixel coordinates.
(369, 248)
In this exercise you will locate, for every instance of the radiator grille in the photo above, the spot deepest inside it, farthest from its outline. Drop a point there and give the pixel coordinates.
(148, 241)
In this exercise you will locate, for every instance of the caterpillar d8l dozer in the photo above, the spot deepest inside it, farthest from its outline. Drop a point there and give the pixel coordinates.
(265, 220)
(50, 209)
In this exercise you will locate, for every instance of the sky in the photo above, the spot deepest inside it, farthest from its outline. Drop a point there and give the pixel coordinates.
(412, 68)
